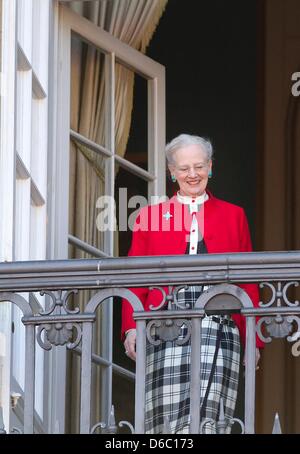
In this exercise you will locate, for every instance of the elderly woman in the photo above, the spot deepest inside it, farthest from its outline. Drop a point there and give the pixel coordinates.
(191, 222)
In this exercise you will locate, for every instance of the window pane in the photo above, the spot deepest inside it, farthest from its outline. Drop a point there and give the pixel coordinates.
(88, 91)
(131, 194)
(124, 408)
(131, 116)
(87, 166)
(87, 186)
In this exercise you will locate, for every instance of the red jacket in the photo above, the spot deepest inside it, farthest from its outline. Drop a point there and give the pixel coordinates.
(224, 227)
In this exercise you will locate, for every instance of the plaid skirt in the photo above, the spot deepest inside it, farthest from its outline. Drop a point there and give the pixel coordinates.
(168, 374)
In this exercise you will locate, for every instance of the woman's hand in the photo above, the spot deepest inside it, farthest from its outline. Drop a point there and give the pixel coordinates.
(129, 344)
(257, 358)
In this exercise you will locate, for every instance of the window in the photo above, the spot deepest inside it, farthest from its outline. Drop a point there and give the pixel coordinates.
(96, 94)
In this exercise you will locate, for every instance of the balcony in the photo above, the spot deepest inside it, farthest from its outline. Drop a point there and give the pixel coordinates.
(58, 325)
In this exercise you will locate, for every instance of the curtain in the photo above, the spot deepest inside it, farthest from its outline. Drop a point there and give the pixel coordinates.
(133, 22)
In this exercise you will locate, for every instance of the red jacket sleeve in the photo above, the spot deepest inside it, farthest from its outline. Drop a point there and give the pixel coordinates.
(139, 247)
(251, 289)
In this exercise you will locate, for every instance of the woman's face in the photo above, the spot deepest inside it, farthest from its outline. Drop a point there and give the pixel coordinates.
(191, 169)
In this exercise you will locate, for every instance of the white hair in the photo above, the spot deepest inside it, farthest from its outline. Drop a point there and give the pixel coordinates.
(184, 140)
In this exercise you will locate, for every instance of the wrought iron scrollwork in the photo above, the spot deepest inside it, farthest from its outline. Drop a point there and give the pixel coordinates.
(170, 298)
(159, 331)
(296, 348)
(237, 421)
(16, 431)
(60, 300)
(279, 326)
(205, 423)
(111, 427)
(99, 425)
(223, 423)
(279, 294)
(58, 334)
(126, 423)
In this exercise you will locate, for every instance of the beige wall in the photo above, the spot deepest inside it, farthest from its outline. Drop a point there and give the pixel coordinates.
(279, 196)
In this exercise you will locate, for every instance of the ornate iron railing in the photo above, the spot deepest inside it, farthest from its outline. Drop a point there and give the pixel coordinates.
(59, 325)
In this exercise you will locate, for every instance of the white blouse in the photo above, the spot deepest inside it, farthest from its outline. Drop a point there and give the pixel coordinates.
(194, 204)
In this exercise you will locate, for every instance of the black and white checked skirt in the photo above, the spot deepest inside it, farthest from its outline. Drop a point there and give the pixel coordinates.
(168, 375)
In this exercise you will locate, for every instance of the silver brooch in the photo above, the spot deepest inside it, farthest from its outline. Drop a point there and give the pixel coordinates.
(167, 215)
